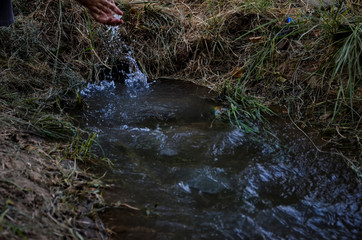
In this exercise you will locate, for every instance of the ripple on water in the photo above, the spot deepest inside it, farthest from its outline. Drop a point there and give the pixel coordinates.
(212, 181)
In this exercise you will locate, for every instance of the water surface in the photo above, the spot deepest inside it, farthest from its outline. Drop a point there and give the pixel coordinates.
(196, 176)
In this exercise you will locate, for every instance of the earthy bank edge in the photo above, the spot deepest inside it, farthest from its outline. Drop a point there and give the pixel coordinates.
(256, 54)
(41, 196)
(45, 59)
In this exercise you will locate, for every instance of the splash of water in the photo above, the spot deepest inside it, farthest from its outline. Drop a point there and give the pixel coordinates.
(136, 80)
(102, 86)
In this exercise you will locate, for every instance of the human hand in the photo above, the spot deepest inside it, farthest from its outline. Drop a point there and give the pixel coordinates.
(103, 11)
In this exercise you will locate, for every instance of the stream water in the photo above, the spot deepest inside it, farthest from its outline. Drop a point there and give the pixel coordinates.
(195, 176)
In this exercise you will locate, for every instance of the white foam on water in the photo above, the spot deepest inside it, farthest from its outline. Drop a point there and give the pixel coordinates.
(184, 186)
(102, 86)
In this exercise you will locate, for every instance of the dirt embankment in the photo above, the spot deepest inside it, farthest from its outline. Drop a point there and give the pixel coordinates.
(254, 53)
(41, 197)
(45, 58)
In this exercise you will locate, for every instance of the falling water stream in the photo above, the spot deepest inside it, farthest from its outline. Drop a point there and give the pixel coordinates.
(194, 175)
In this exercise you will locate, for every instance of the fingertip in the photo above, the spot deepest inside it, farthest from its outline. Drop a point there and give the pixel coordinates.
(115, 22)
(115, 9)
(118, 11)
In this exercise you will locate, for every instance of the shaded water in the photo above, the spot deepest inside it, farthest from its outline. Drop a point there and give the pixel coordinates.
(197, 177)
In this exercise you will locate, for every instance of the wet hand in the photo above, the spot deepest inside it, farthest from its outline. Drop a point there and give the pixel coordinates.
(103, 11)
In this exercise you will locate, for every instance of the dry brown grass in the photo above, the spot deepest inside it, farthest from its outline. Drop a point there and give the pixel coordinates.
(196, 39)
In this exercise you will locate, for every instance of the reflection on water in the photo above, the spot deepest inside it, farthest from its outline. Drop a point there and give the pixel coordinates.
(197, 177)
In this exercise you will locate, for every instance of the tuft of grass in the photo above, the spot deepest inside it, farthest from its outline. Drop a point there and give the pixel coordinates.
(247, 113)
(81, 149)
(346, 69)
